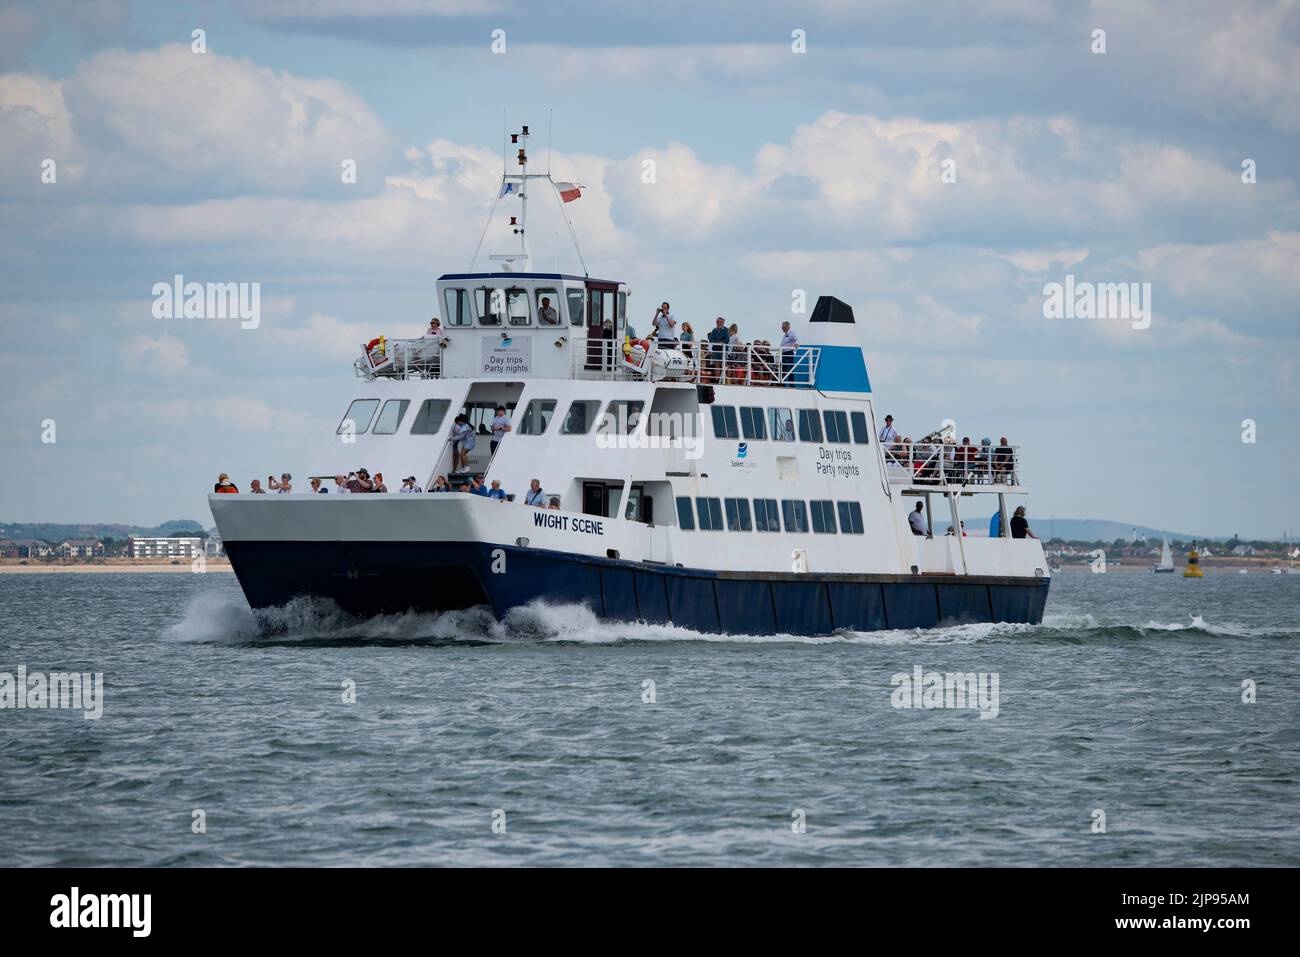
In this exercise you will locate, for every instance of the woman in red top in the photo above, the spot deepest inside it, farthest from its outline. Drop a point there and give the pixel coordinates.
(225, 486)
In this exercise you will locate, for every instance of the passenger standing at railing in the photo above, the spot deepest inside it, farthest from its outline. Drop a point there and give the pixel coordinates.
(789, 346)
(736, 361)
(435, 329)
(917, 521)
(500, 426)
(1003, 458)
(688, 338)
(664, 325)
(535, 496)
(888, 433)
(718, 338)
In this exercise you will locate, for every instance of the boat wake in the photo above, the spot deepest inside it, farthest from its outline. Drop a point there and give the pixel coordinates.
(212, 618)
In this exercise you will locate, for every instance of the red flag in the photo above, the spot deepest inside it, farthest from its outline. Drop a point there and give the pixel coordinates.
(568, 191)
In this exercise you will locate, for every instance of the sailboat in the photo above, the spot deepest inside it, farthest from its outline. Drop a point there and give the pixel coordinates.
(1166, 565)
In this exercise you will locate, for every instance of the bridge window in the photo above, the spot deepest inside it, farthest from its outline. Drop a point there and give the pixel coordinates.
(810, 426)
(622, 309)
(823, 517)
(724, 422)
(751, 422)
(582, 414)
(357, 420)
(710, 510)
(391, 416)
(766, 517)
(458, 311)
(738, 515)
(428, 420)
(795, 514)
(536, 417)
(517, 306)
(837, 426)
(548, 308)
(861, 434)
(685, 517)
(574, 298)
(782, 423)
(850, 518)
(491, 305)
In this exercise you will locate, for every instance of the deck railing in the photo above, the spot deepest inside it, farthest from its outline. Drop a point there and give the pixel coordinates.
(704, 363)
(935, 463)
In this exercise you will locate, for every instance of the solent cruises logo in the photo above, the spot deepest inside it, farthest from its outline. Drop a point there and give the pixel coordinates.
(630, 429)
(57, 690)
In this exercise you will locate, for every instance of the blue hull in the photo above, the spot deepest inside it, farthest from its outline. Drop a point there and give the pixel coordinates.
(369, 578)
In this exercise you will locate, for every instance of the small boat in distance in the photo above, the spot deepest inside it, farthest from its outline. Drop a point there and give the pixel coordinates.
(1166, 566)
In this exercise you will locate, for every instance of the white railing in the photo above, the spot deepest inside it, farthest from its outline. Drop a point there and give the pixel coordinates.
(704, 363)
(402, 359)
(935, 463)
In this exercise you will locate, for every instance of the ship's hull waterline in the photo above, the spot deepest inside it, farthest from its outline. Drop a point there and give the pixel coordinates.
(377, 577)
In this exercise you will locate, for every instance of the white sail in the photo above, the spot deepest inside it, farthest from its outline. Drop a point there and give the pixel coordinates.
(1166, 556)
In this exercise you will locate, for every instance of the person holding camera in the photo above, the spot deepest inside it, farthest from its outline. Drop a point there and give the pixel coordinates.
(665, 327)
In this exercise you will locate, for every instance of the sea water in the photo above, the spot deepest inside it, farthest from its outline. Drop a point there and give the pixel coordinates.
(1150, 720)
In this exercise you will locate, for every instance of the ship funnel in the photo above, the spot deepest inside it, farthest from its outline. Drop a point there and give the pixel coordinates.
(841, 366)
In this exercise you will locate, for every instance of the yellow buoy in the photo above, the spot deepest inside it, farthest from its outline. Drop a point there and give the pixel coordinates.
(1193, 569)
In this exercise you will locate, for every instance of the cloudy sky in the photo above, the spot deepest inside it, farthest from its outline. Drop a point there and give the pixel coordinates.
(776, 170)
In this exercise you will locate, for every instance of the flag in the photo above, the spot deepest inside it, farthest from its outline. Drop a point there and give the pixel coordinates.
(506, 189)
(568, 191)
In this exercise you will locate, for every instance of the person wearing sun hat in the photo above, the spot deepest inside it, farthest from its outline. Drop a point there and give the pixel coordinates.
(225, 486)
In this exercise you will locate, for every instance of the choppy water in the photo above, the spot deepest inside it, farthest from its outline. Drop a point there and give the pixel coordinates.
(1128, 699)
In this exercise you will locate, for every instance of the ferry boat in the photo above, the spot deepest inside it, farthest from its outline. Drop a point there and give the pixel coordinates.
(723, 488)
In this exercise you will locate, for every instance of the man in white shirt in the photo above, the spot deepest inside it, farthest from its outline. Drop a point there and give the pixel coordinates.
(535, 495)
(917, 521)
(665, 325)
(341, 485)
(889, 433)
(408, 485)
(547, 314)
(789, 343)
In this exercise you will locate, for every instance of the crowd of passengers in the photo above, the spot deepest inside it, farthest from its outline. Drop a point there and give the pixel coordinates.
(971, 464)
(361, 483)
(724, 357)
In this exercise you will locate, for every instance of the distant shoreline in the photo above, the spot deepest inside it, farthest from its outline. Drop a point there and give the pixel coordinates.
(12, 567)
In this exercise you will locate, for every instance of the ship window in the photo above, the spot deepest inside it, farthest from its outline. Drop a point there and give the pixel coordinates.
(724, 422)
(457, 301)
(685, 517)
(751, 422)
(574, 297)
(491, 304)
(810, 427)
(391, 416)
(517, 306)
(607, 307)
(536, 417)
(795, 514)
(860, 433)
(823, 517)
(621, 416)
(710, 510)
(837, 426)
(738, 515)
(360, 412)
(582, 413)
(766, 517)
(850, 518)
(548, 313)
(622, 308)
(782, 424)
(428, 421)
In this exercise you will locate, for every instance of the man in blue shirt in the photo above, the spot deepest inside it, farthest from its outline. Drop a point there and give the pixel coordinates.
(496, 491)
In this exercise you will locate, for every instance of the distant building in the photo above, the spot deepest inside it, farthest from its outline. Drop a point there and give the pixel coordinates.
(82, 548)
(212, 547)
(1243, 551)
(25, 548)
(145, 547)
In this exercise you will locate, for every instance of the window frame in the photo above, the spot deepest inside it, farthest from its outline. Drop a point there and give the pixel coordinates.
(737, 514)
(450, 312)
(632, 426)
(822, 512)
(685, 513)
(840, 428)
(480, 308)
(421, 416)
(757, 417)
(548, 292)
(797, 509)
(593, 416)
(771, 515)
(518, 427)
(349, 417)
(580, 296)
(854, 419)
(808, 417)
(850, 515)
(515, 294)
(776, 425)
(714, 508)
(402, 406)
(730, 424)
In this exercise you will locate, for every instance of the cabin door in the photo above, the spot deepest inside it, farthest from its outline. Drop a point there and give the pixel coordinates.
(595, 499)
